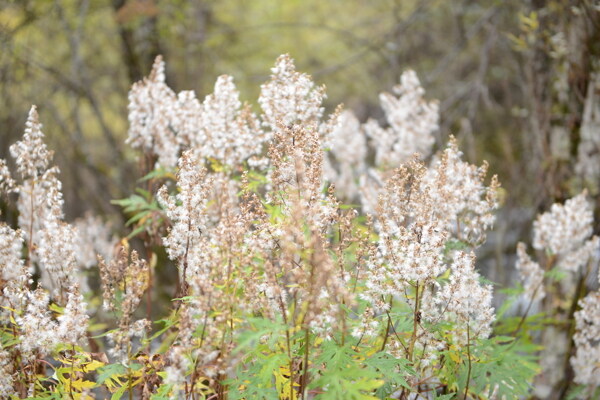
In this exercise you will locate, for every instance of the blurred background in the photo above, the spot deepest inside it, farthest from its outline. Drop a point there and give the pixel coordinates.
(516, 80)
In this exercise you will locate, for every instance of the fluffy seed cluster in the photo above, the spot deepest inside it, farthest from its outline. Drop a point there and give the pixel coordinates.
(411, 240)
(40, 198)
(587, 324)
(411, 255)
(153, 116)
(204, 215)
(289, 257)
(6, 374)
(12, 267)
(290, 97)
(206, 212)
(564, 242)
(188, 214)
(164, 124)
(93, 237)
(255, 228)
(464, 301)
(420, 210)
(308, 216)
(44, 244)
(564, 232)
(31, 153)
(226, 130)
(531, 274)
(412, 122)
(6, 181)
(563, 237)
(463, 200)
(124, 281)
(348, 151)
(41, 333)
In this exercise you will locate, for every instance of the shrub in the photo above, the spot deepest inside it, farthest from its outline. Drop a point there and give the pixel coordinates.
(317, 258)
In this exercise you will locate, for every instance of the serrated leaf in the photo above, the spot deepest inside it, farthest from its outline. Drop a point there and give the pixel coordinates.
(80, 384)
(117, 395)
(111, 371)
(393, 369)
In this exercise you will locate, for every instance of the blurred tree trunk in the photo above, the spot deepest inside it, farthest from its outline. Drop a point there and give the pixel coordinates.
(538, 70)
(559, 68)
(140, 41)
(196, 69)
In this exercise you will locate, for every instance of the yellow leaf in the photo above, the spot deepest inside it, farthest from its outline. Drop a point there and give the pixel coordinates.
(92, 366)
(80, 384)
(201, 387)
(454, 357)
(136, 382)
(284, 385)
(9, 309)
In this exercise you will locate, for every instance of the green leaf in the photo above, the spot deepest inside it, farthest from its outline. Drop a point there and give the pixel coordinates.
(158, 173)
(342, 375)
(168, 323)
(502, 362)
(146, 194)
(271, 364)
(117, 395)
(259, 328)
(393, 369)
(136, 231)
(110, 371)
(163, 392)
(556, 274)
(137, 217)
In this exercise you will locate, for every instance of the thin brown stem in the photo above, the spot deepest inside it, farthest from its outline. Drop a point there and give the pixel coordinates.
(413, 338)
(72, 372)
(396, 333)
(149, 289)
(288, 343)
(387, 328)
(524, 317)
(304, 383)
(579, 293)
(549, 265)
(32, 213)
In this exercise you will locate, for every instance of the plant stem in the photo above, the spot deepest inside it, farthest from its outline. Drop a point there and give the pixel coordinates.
(129, 370)
(72, 373)
(524, 317)
(547, 267)
(413, 338)
(387, 328)
(304, 382)
(468, 360)
(149, 289)
(289, 346)
(579, 293)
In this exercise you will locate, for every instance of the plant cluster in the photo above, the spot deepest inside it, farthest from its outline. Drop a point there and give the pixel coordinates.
(317, 258)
